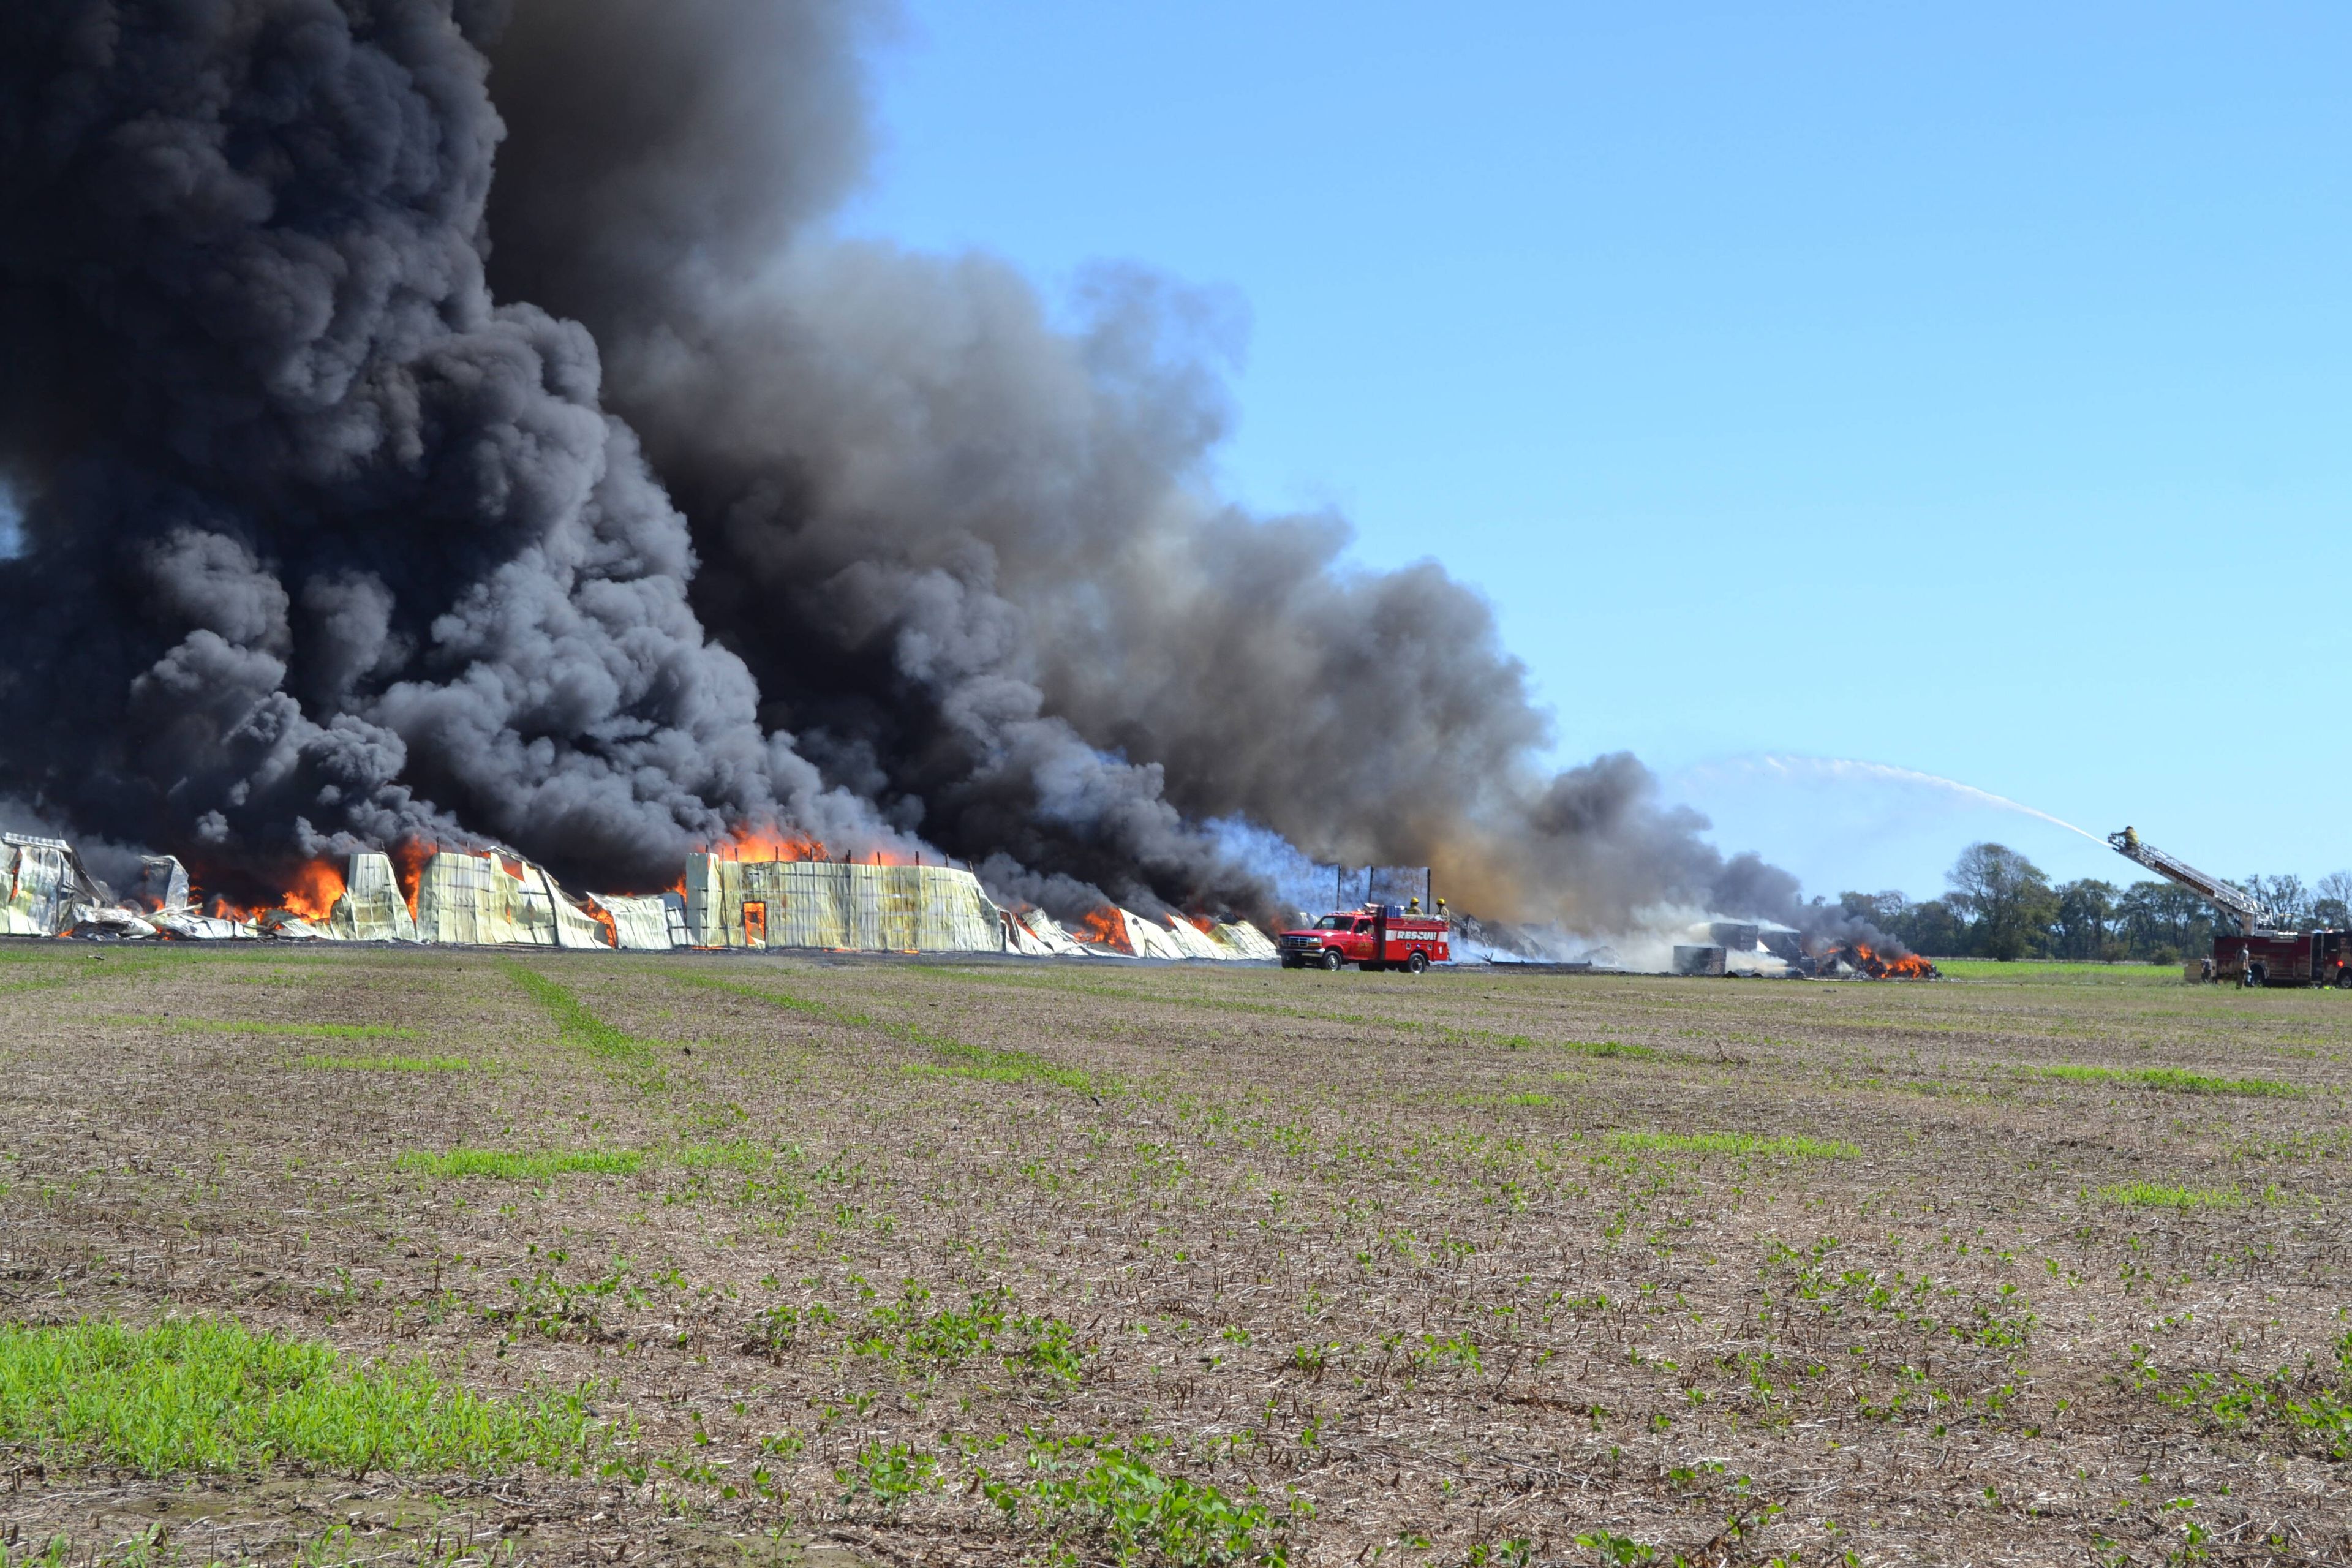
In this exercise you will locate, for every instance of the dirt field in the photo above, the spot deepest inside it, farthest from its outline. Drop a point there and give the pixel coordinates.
(900, 1262)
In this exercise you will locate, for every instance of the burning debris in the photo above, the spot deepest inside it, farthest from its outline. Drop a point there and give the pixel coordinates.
(1837, 947)
(1123, 932)
(1742, 949)
(1036, 934)
(1860, 958)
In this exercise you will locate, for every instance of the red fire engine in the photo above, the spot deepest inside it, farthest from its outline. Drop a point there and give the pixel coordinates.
(2259, 952)
(1376, 936)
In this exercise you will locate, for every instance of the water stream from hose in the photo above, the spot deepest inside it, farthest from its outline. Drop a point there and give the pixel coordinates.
(1847, 768)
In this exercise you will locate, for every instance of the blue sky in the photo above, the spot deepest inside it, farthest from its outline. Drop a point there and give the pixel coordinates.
(1964, 389)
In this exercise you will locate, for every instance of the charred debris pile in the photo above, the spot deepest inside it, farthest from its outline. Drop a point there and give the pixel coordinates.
(1735, 949)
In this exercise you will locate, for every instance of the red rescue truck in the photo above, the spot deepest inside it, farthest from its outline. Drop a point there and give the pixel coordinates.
(1376, 936)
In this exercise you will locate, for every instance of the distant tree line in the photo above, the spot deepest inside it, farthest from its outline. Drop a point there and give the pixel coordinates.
(2000, 905)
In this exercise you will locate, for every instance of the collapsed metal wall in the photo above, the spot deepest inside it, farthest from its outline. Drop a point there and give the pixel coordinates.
(1034, 933)
(44, 884)
(639, 925)
(497, 899)
(1147, 939)
(372, 908)
(1245, 941)
(827, 903)
(488, 900)
(1178, 937)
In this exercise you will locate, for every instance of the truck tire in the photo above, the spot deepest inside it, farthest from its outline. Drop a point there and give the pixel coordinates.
(1334, 960)
(2344, 980)
(2258, 974)
(1417, 963)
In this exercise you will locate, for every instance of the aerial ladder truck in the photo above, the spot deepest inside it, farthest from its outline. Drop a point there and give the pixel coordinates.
(2259, 952)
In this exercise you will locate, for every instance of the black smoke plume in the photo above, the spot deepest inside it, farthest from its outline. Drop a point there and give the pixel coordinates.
(610, 501)
(324, 546)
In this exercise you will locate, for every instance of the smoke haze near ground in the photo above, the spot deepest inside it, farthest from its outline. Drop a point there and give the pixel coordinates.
(357, 535)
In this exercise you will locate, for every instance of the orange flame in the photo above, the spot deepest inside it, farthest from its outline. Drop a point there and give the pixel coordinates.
(768, 843)
(315, 889)
(1202, 924)
(603, 917)
(1910, 966)
(408, 857)
(1105, 928)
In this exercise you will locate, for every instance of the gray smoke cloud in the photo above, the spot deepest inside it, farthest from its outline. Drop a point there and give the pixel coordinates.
(446, 419)
(976, 556)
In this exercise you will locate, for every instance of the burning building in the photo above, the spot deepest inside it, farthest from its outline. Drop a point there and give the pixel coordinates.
(496, 898)
(833, 904)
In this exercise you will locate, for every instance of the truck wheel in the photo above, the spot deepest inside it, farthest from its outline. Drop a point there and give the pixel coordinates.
(1417, 963)
(2257, 975)
(1333, 959)
(2344, 980)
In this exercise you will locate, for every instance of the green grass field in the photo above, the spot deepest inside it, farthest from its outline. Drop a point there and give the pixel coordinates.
(2054, 972)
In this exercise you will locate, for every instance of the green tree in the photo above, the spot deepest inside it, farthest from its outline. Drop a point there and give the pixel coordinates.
(2086, 913)
(2332, 908)
(1932, 928)
(2008, 901)
(2161, 921)
(2287, 897)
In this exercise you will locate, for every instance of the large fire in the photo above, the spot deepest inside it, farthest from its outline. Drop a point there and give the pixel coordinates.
(310, 896)
(408, 857)
(313, 891)
(770, 843)
(1104, 928)
(1910, 966)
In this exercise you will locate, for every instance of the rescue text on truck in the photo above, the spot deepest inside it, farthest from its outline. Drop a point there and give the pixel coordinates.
(1375, 936)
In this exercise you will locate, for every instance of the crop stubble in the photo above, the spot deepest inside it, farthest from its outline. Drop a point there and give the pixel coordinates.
(1370, 1254)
